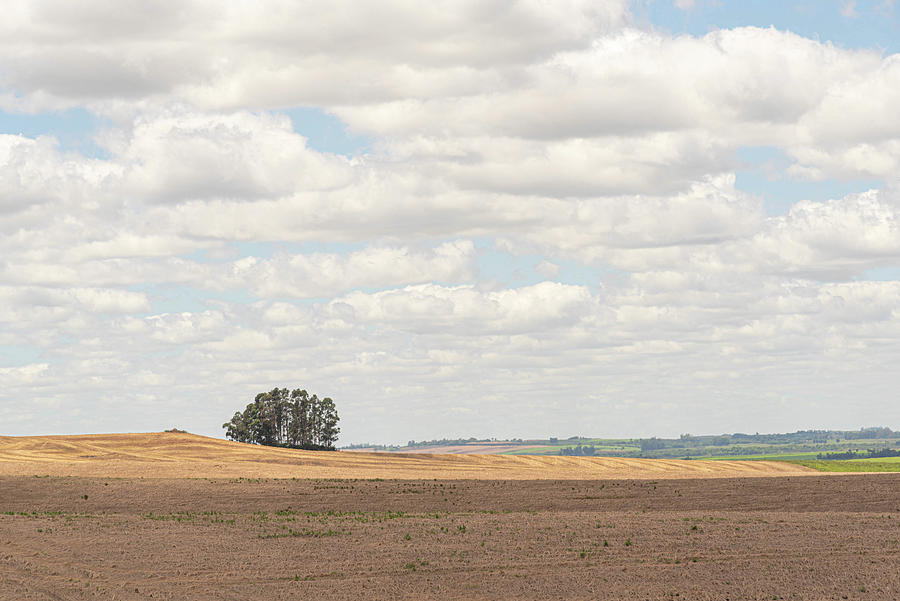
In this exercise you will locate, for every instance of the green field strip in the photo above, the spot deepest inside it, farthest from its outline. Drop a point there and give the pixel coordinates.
(889, 464)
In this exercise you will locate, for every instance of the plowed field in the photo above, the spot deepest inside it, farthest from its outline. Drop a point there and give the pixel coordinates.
(311, 537)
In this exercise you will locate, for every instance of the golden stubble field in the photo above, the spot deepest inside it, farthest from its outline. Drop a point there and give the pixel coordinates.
(179, 455)
(178, 516)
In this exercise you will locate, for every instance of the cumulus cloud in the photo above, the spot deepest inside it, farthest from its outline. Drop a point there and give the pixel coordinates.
(277, 53)
(210, 251)
(429, 308)
(27, 374)
(320, 274)
(93, 300)
(720, 91)
(844, 233)
(33, 172)
(187, 157)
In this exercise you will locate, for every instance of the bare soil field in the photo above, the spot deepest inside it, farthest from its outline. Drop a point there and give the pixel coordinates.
(237, 538)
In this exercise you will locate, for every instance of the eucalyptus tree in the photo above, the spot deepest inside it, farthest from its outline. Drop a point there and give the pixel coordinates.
(286, 418)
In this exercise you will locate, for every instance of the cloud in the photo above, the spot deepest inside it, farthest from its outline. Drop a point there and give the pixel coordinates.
(547, 269)
(183, 157)
(721, 91)
(325, 274)
(93, 300)
(35, 174)
(848, 9)
(17, 376)
(210, 250)
(111, 301)
(273, 54)
(839, 238)
(440, 347)
(428, 308)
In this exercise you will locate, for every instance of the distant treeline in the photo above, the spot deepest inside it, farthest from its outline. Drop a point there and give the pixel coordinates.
(366, 445)
(283, 418)
(445, 442)
(688, 445)
(690, 442)
(867, 454)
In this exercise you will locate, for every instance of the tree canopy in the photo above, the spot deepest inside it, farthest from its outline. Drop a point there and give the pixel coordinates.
(283, 418)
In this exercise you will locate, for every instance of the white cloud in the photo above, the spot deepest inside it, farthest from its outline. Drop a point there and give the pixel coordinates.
(11, 376)
(111, 301)
(273, 53)
(319, 275)
(464, 309)
(547, 269)
(211, 252)
(187, 157)
(33, 173)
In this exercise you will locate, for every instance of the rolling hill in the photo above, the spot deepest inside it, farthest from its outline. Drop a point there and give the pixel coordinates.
(182, 455)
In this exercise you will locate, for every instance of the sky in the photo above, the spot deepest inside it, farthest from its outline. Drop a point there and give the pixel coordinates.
(456, 218)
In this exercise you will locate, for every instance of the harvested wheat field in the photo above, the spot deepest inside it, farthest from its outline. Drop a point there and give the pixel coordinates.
(175, 516)
(180, 455)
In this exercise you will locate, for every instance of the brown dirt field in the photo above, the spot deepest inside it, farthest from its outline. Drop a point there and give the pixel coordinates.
(175, 455)
(829, 537)
(237, 538)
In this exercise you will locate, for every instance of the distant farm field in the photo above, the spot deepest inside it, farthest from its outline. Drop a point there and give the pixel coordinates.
(763, 457)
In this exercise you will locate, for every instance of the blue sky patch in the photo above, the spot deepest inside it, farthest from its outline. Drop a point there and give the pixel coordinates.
(16, 355)
(516, 271)
(762, 172)
(73, 128)
(888, 273)
(869, 24)
(325, 132)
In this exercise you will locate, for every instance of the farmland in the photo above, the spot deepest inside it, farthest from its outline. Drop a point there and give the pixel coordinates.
(177, 516)
(806, 445)
(181, 455)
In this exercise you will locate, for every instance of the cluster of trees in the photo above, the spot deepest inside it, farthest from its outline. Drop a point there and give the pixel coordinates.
(652, 444)
(587, 450)
(867, 454)
(283, 418)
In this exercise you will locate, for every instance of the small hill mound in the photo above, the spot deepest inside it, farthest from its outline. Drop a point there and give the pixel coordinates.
(182, 455)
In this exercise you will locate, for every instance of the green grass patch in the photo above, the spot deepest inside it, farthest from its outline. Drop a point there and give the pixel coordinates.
(888, 464)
